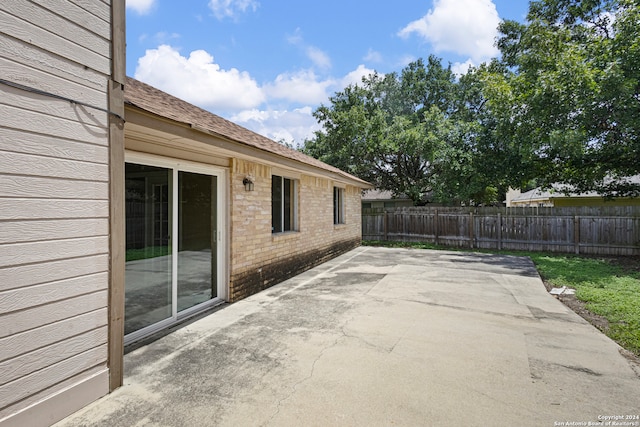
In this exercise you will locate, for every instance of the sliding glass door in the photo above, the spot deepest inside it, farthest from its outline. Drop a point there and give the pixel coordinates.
(197, 237)
(148, 271)
(173, 242)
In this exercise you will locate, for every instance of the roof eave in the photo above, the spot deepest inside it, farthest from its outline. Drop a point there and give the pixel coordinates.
(336, 174)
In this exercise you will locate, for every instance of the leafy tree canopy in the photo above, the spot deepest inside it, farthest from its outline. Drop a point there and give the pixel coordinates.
(574, 92)
(562, 105)
(408, 133)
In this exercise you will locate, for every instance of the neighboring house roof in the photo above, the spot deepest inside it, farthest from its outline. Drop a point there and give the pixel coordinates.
(538, 194)
(559, 191)
(155, 101)
(376, 194)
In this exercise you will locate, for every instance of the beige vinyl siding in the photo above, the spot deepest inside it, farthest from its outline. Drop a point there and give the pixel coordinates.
(54, 208)
(35, 60)
(53, 32)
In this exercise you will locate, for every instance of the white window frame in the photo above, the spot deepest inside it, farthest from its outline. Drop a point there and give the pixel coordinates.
(176, 166)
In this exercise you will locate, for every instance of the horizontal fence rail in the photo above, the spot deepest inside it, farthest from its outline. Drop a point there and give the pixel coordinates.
(597, 231)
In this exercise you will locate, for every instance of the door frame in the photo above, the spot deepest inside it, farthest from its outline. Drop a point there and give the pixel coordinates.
(222, 285)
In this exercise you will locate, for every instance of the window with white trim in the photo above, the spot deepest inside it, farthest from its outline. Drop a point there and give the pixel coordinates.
(284, 204)
(338, 205)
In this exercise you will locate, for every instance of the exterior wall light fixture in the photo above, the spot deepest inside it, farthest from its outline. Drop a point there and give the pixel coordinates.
(248, 183)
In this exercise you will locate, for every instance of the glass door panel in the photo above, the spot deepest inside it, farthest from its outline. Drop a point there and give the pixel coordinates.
(148, 284)
(197, 236)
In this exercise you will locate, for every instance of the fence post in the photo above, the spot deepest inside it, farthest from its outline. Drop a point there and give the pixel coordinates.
(435, 226)
(471, 230)
(499, 231)
(384, 225)
(576, 233)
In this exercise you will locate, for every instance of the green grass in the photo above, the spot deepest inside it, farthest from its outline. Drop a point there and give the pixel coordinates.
(607, 287)
(147, 252)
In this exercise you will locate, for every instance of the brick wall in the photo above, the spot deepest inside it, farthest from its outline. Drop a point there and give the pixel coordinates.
(260, 259)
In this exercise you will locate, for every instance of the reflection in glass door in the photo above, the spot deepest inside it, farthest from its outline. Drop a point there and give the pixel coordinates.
(148, 294)
(196, 239)
(172, 235)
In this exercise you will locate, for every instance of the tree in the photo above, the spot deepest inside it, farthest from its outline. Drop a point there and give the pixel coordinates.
(390, 151)
(406, 133)
(562, 105)
(574, 93)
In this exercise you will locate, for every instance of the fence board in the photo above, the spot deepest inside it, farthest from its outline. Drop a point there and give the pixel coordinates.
(612, 230)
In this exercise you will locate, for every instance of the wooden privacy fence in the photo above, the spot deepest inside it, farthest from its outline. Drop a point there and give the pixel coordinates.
(580, 230)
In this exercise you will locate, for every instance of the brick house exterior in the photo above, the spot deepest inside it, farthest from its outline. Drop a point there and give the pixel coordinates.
(259, 258)
(254, 256)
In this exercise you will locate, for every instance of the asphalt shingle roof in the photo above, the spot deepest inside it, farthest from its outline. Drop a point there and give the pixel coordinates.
(155, 101)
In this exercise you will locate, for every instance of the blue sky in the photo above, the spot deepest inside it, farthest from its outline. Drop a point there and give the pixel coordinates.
(267, 65)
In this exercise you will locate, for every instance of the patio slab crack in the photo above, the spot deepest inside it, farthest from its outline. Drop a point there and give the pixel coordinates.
(294, 387)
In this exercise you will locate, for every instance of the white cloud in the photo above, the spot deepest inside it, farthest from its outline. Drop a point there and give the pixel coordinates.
(460, 68)
(373, 56)
(355, 76)
(466, 27)
(297, 125)
(142, 7)
(296, 37)
(230, 8)
(198, 79)
(163, 37)
(291, 126)
(302, 87)
(318, 57)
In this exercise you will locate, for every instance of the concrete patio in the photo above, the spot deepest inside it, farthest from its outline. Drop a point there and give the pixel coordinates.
(381, 337)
